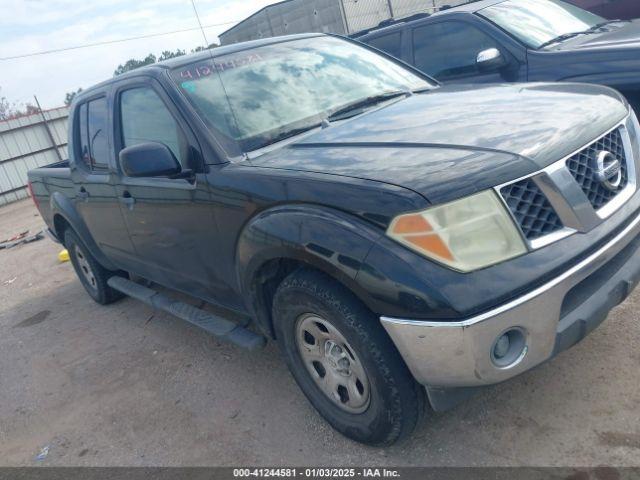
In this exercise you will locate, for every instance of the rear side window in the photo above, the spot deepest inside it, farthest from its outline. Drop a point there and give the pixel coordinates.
(388, 43)
(93, 134)
(448, 50)
(83, 139)
(145, 118)
(97, 123)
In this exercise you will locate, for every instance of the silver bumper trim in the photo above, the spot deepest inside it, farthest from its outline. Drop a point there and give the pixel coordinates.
(441, 353)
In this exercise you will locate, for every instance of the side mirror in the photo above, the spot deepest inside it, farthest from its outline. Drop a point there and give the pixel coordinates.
(490, 59)
(150, 159)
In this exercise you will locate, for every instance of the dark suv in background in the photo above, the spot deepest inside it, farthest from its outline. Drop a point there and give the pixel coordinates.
(625, 9)
(495, 41)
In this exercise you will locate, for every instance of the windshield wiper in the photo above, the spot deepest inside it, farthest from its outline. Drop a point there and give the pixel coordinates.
(283, 135)
(592, 29)
(598, 26)
(344, 111)
(560, 38)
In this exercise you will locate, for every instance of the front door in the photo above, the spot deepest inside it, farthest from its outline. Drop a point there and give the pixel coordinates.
(170, 221)
(448, 51)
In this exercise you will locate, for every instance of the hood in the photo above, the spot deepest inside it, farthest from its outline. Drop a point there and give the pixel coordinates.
(625, 36)
(457, 140)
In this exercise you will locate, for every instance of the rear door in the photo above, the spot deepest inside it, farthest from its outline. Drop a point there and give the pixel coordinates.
(94, 179)
(170, 220)
(448, 51)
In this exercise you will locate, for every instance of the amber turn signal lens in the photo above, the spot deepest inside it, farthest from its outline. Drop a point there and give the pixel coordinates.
(419, 232)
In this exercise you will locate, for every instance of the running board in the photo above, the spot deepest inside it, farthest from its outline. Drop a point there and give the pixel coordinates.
(218, 326)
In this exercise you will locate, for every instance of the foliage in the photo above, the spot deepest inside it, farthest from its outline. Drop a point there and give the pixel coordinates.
(166, 55)
(68, 98)
(201, 48)
(134, 63)
(9, 110)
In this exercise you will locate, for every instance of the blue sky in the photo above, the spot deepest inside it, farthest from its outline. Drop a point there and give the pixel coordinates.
(34, 25)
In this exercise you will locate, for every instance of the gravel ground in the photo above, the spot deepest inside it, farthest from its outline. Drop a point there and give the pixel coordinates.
(126, 385)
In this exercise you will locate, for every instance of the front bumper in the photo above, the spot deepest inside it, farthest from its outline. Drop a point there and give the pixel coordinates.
(552, 318)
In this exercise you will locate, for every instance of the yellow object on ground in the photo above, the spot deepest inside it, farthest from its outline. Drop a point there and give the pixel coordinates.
(63, 256)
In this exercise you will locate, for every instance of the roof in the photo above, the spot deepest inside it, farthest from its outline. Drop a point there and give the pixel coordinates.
(177, 62)
(389, 24)
(471, 7)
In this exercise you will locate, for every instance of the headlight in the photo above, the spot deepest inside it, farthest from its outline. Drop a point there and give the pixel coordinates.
(466, 234)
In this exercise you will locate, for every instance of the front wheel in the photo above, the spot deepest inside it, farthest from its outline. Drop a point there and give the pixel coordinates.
(343, 360)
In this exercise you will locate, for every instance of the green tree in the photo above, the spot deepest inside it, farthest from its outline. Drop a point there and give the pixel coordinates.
(68, 98)
(200, 48)
(166, 55)
(133, 63)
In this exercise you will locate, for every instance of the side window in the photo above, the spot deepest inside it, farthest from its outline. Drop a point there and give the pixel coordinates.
(449, 49)
(83, 141)
(145, 118)
(388, 43)
(92, 134)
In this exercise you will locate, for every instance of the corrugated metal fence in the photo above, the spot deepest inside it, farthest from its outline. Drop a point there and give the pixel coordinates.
(343, 17)
(25, 143)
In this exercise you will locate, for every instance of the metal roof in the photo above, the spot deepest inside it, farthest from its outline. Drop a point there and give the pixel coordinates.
(266, 7)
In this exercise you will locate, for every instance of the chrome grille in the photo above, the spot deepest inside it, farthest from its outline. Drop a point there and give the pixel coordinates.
(582, 167)
(531, 209)
(578, 192)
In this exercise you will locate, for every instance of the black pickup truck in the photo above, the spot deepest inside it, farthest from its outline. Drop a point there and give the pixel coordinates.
(388, 232)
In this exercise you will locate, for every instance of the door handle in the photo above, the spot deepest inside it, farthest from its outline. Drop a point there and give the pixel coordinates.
(127, 199)
(83, 194)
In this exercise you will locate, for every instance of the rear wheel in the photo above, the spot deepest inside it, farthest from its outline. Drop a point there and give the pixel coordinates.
(343, 360)
(92, 275)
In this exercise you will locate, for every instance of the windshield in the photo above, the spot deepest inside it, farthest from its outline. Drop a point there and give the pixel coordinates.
(255, 97)
(536, 22)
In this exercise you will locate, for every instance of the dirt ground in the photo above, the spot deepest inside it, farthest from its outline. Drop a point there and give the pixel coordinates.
(126, 385)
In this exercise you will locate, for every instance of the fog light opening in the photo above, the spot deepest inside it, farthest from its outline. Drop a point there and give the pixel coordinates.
(509, 348)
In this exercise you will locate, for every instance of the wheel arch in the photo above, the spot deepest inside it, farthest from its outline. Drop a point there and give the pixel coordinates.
(66, 216)
(283, 239)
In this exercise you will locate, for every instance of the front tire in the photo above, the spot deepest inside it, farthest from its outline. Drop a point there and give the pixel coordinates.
(92, 275)
(343, 360)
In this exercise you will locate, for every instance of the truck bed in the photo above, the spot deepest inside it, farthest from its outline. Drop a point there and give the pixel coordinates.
(44, 181)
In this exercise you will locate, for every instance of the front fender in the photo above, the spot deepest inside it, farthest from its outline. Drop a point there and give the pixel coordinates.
(327, 239)
(64, 207)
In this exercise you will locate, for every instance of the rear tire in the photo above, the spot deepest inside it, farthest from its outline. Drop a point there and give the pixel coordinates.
(344, 361)
(92, 275)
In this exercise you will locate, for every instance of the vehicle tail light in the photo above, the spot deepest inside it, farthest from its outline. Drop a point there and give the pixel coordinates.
(31, 194)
